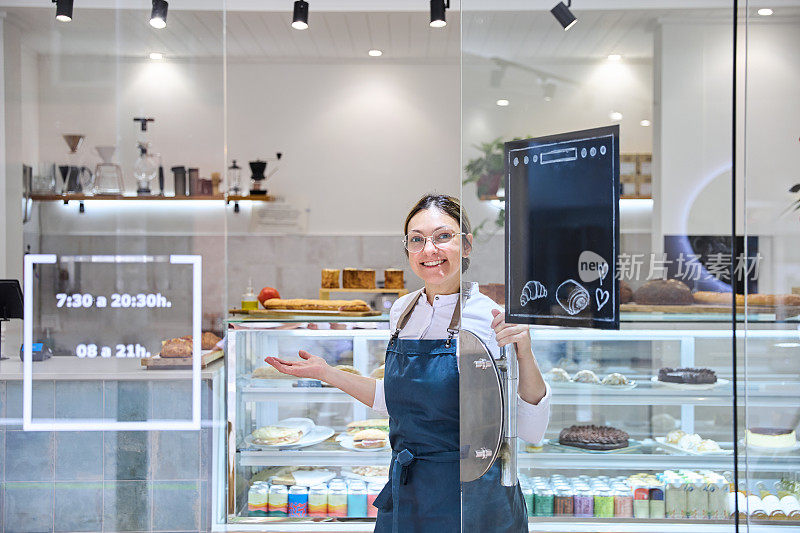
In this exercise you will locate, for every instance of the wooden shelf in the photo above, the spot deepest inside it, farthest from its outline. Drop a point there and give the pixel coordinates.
(119, 197)
(325, 294)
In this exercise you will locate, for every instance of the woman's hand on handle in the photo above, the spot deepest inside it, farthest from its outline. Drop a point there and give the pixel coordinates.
(310, 366)
(315, 367)
(531, 383)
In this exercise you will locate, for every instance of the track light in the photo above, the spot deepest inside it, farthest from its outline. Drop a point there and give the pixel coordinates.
(563, 15)
(158, 16)
(438, 8)
(63, 10)
(300, 19)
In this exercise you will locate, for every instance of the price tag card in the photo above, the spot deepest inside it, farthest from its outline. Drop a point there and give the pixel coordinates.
(98, 316)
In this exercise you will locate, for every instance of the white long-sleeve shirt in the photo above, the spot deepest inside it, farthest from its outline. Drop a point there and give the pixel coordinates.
(430, 322)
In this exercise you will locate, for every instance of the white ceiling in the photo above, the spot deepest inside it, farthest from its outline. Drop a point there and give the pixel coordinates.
(345, 36)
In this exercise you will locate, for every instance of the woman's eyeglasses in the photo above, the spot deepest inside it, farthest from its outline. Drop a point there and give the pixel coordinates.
(415, 242)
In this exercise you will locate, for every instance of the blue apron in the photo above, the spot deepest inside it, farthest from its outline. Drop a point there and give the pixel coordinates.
(424, 493)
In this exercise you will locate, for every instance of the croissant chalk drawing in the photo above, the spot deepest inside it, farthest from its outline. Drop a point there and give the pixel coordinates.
(533, 290)
(571, 296)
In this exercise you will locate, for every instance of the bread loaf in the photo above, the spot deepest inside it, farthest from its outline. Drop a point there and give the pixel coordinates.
(724, 298)
(179, 347)
(663, 292)
(330, 278)
(302, 304)
(717, 298)
(358, 278)
(209, 341)
(625, 293)
(393, 278)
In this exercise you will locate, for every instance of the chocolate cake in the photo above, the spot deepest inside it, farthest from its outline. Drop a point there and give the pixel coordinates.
(664, 292)
(594, 437)
(691, 376)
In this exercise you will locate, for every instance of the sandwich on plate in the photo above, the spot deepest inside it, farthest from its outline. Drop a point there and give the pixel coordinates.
(276, 435)
(370, 438)
(370, 423)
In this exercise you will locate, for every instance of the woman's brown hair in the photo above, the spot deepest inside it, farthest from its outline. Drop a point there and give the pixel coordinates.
(448, 205)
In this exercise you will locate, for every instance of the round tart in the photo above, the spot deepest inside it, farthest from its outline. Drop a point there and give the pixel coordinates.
(594, 437)
(691, 376)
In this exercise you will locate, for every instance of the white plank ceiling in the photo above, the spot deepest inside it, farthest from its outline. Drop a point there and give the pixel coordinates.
(346, 36)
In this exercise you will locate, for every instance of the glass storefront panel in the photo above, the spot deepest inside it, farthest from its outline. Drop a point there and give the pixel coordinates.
(767, 184)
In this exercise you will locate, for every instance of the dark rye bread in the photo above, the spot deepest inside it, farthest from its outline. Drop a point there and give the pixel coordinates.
(594, 437)
(691, 376)
(664, 292)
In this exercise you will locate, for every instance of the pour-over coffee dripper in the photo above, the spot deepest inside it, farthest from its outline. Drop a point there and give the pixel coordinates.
(108, 175)
(76, 178)
(74, 141)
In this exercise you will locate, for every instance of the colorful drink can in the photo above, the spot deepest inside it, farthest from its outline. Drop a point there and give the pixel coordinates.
(604, 504)
(298, 501)
(318, 500)
(657, 503)
(337, 500)
(278, 501)
(641, 501)
(583, 503)
(543, 501)
(527, 494)
(563, 504)
(357, 499)
(373, 489)
(718, 500)
(623, 502)
(257, 499)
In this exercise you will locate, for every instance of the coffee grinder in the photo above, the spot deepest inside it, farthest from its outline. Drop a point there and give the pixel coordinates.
(257, 168)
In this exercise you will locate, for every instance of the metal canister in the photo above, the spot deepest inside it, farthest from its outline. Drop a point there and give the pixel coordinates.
(298, 501)
(278, 501)
(357, 499)
(318, 500)
(543, 501)
(563, 504)
(604, 504)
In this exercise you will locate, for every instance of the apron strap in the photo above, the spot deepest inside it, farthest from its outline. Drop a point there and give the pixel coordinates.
(452, 329)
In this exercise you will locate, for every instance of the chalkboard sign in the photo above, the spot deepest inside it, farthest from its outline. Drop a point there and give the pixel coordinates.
(562, 229)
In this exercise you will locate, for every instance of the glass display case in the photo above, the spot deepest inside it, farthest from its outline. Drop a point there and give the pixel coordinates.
(661, 481)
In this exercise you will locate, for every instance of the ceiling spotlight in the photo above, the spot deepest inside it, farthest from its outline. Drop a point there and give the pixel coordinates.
(502, 102)
(63, 10)
(375, 52)
(563, 15)
(615, 115)
(765, 12)
(158, 16)
(156, 56)
(614, 57)
(644, 123)
(438, 8)
(300, 18)
(549, 89)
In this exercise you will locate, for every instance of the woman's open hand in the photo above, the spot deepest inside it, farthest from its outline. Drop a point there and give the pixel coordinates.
(310, 366)
(508, 333)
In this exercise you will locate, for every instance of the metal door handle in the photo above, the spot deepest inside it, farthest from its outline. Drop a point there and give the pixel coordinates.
(483, 364)
(483, 453)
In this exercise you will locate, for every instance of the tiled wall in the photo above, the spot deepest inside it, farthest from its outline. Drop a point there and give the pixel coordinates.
(104, 481)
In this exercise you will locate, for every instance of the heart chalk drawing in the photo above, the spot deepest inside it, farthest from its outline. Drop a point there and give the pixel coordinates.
(601, 297)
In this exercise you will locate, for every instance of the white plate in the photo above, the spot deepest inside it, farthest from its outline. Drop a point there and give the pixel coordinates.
(305, 425)
(795, 446)
(346, 441)
(690, 386)
(566, 385)
(677, 449)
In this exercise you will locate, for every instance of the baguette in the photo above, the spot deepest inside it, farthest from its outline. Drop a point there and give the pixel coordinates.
(724, 298)
(302, 304)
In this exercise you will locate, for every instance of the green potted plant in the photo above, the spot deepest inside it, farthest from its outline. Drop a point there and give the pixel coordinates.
(487, 170)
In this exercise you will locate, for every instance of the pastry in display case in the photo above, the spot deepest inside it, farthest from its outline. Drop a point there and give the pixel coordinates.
(640, 430)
